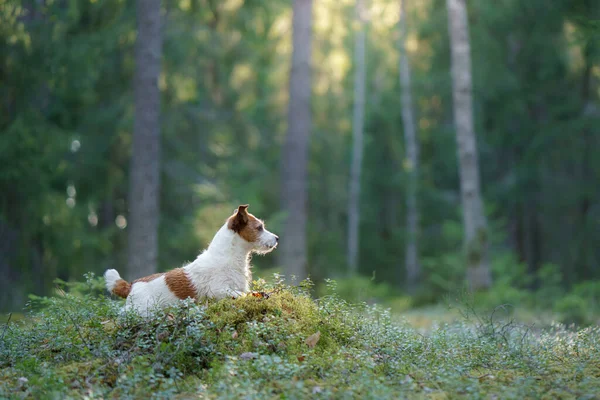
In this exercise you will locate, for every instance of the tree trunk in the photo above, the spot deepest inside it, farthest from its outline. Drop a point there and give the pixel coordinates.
(358, 119)
(10, 292)
(412, 158)
(294, 185)
(475, 224)
(144, 179)
(586, 174)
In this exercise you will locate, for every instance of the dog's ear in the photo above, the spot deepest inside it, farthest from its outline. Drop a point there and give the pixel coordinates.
(239, 220)
(243, 210)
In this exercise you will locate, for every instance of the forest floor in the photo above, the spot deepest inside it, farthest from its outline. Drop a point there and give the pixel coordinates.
(290, 346)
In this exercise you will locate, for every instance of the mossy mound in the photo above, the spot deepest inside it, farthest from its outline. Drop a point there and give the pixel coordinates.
(280, 323)
(282, 304)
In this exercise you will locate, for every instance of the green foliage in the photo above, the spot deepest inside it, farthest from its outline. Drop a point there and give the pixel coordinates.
(581, 305)
(446, 272)
(551, 288)
(358, 289)
(63, 81)
(66, 107)
(80, 344)
(511, 283)
(574, 309)
(92, 286)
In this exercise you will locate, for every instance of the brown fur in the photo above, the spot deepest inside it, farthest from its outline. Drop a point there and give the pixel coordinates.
(245, 224)
(122, 288)
(149, 278)
(179, 283)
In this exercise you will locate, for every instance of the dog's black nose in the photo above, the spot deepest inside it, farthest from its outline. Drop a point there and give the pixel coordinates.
(277, 238)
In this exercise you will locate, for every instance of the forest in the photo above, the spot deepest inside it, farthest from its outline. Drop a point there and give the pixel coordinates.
(406, 149)
(431, 169)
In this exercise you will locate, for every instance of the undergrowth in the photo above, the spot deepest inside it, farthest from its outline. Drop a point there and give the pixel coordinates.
(287, 345)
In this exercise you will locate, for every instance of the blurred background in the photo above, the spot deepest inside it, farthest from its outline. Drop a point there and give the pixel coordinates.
(404, 149)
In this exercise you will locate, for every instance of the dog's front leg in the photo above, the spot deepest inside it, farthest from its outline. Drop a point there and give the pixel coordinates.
(227, 293)
(234, 294)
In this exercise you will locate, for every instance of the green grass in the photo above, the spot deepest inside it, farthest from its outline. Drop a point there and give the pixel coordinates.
(77, 345)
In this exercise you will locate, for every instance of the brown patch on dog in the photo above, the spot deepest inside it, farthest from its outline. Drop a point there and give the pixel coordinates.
(245, 224)
(179, 283)
(122, 288)
(148, 278)
(239, 219)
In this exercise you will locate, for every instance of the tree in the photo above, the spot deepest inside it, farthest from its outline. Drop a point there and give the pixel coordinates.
(475, 224)
(294, 194)
(412, 157)
(358, 121)
(144, 179)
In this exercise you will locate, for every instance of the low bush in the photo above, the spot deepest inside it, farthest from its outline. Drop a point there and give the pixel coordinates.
(581, 305)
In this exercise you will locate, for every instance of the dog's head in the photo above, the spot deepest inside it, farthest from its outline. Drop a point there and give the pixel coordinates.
(252, 230)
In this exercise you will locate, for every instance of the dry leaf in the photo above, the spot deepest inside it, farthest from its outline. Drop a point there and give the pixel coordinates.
(301, 358)
(313, 339)
(234, 335)
(261, 295)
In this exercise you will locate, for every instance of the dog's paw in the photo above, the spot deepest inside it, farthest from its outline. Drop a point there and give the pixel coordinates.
(260, 295)
(234, 294)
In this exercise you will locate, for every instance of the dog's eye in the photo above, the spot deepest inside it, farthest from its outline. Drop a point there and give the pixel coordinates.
(260, 228)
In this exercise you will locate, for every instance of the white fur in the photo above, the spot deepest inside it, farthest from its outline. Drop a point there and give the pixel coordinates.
(111, 276)
(146, 296)
(222, 270)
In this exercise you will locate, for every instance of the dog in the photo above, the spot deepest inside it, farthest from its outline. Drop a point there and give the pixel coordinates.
(220, 271)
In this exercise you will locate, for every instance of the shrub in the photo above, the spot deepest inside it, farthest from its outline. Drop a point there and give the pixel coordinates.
(551, 285)
(580, 305)
(573, 310)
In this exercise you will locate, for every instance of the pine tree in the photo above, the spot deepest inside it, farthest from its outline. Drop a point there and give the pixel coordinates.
(144, 184)
(411, 159)
(358, 118)
(294, 185)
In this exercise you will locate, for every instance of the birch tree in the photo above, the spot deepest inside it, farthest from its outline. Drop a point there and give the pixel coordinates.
(475, 224)
(144, 179)
(358, 118)
(412, 157)
(294, 185)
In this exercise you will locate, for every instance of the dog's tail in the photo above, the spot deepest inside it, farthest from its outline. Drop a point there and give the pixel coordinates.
(115, 284)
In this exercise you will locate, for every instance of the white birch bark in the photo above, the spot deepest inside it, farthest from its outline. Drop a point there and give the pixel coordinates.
(357, 141)
(475, 224)
(412, 157)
